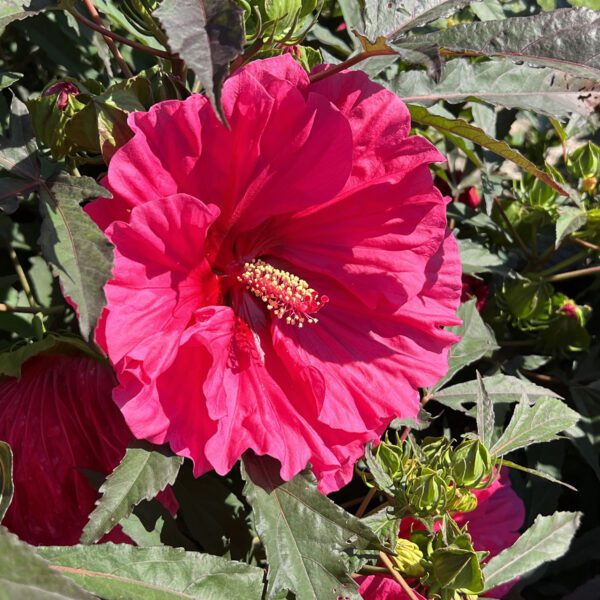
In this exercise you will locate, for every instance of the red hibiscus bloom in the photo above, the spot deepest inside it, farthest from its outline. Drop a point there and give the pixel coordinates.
(472, 287)
(494, 526)
(59, 418)
(280, 285)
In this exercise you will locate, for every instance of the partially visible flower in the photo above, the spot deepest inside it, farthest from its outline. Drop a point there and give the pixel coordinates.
(494, 526)
(281, 285)
(59, 419)
(63, 89)
(472, 287)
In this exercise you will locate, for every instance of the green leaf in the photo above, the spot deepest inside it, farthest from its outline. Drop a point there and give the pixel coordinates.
(304, 533)
(500, 389)
(461, 128)
(476, 258)
(7, 79)
(547, 539)
(508, 463)
(19, 157)
(141, 475)
(501, 83)
(393, 19)
(24, 575)
(477, 340)
(118, 572)
(586, 433)
(485, 413)
(207, 35)
(534, 424)
(6, 482)
(567, 40)
(381, 477)
(13, 10)
(78, 252)
(571, 218)
(12, 361)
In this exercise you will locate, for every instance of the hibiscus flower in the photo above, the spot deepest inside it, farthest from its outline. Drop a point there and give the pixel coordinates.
(280, 285)
(494, 526)
(59, 419)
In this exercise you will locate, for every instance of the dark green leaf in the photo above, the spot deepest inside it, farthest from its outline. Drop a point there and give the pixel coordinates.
(477, 340)
(18, 156)
(207, 35)
(304, 533)
(541, 422)
(26, 576)
(118, 572)
(547, 539)
(461, 128)
(586, 433)
(485, 413)
(7, 79)
(567, 40)
(536, 472)
(141, 475)
(476, 258)
(500, 388)
(502, 83)
(78, 252)
(571, 218)
(393, 19)
(6, 482)
(13, 10)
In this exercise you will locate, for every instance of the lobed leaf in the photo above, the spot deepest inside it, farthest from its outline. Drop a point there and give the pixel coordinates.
(14, 10)
(141, 475)
(115, 572)
(499, 388)
(500, 82)
(567, 39)
(78, 252)
(461, 128)
(304, 533)
(477, 340)
(546, 540)
(207, 35)
(534, 424)
(485, 413)
(23, 574)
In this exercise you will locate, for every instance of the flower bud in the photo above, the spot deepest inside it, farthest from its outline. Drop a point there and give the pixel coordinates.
(408, 558)
(585, 161)
(437, 451)
(390, 458)
(62, 89)
(463, 502)
(471, 464)
(426, 493)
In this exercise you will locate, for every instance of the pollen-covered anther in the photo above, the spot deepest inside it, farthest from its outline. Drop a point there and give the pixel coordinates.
(288, 296)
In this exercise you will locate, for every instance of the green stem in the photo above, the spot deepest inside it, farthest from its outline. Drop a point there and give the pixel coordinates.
(50, 310)
(22, 277)
(513, 232)
(559, 266)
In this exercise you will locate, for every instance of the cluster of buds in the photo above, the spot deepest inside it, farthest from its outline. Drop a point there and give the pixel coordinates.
(584, 163)
(435, 477)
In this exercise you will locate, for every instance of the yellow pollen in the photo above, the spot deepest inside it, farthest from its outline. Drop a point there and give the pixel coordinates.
(286, 295)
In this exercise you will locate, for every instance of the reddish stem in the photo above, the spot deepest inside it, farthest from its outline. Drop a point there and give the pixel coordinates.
(350, 63)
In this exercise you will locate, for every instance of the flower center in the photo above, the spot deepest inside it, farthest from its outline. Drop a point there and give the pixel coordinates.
(288, 296)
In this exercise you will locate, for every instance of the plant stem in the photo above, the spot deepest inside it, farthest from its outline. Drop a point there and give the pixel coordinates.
(372, 570)
(119, 38)
(390, 567)
(365, 502)
(515, 235)
(573, 274)
(586, 244)
(244, 58)
(559, 266)
(89, 4)
(22, 277)
(31, 309)
(349, 63)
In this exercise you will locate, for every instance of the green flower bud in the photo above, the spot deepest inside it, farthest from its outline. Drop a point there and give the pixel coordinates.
(584, 162)
(408, 558)
(390, 457)
(437, 451)
(463, 502)
(471, 464)
(427, 493)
